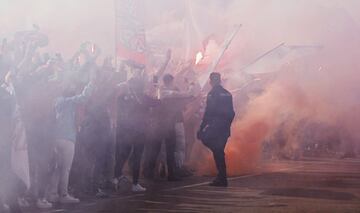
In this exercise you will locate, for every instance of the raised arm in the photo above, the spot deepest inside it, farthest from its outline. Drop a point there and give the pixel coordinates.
(87, 91)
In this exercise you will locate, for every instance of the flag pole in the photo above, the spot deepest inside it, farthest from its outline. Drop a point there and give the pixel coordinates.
(225, 46)
(262, 56)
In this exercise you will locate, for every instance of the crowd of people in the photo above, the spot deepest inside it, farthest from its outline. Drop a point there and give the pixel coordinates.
(82, 122)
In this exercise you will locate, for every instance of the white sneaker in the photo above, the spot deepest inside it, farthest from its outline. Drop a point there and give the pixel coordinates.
(68, 199)
(53, 198)
(43, 204)
(138, 188)
(115, 181)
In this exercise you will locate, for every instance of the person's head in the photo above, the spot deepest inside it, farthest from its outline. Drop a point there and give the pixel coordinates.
(168, 80)
(215, 79)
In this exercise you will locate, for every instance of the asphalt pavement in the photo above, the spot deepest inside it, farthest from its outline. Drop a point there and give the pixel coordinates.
(308, 185)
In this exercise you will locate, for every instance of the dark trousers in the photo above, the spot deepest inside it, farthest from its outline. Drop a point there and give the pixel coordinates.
(92, 158)
(170, 142)
(41, 157)
(125, 143)
(217, 147)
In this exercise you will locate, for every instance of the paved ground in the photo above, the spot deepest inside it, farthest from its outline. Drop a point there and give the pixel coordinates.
(310, 185)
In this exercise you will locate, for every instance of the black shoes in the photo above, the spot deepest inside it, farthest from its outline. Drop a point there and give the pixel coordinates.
(219, 183)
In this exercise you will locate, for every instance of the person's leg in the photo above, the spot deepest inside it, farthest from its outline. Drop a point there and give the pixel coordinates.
(219, 157)
(12, 202)
(153, 153)
(54, 181)
(66, 150)
(33, 163)
(55, 177)
(217, 149)
(190, 133)
(170, 142)
(40, 150)
(9, 182)
(101, 159)
(111, 154)
(93, 145)
(180, 145)
(137, 154)
(123, 150)
(110, 161)
(77, 177)
(44, 163)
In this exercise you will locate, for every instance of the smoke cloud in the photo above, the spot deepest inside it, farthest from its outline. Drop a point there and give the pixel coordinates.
(304, 93)
(321, 87)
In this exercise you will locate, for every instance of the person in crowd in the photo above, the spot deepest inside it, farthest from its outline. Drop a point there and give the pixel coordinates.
(133, 107)
(192, 120)
(187, 80)
(40, 137)
(37, 112)
(172, 105)
(95, 137)
(215, 127)
(9, 182)
(66, 131)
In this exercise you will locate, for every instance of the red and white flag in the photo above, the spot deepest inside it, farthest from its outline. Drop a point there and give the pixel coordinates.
(130, 31)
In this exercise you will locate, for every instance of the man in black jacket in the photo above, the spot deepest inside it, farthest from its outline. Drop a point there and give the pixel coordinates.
(132, 122)
(215, 127)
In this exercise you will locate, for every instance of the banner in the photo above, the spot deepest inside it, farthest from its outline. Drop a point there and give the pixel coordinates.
(130, 31)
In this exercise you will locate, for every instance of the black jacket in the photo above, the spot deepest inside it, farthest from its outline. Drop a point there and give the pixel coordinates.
(134, 112)
(219, 113)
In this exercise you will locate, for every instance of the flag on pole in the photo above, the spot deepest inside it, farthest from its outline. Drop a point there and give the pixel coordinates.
(130, 31)
(230, 37)
(275, 58)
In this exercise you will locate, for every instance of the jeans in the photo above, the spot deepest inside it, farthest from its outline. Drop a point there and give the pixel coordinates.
(64, 158)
